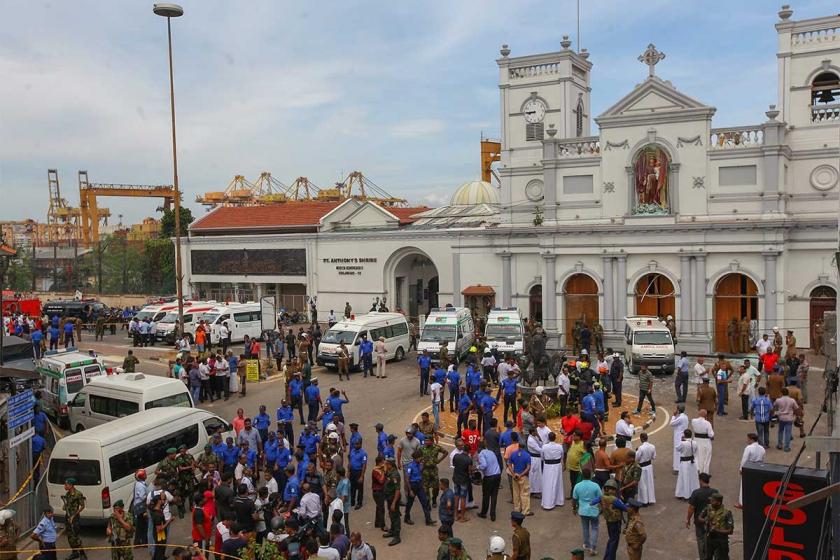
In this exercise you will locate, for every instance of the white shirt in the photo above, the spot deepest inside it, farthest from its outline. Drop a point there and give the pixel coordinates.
(435, 389)
(762, 346)
(224, 532)
(204, 372)
(167, 515)
(331, 317)
(753, 453)
(328, 553)
(543, 433)
(488, 361)
(310, 506)
(271, 485)
(646, 452)
(624, 428)
(699, 373)
(140, 490)
(745, 379)
(702, 426)
(222, 367)
(239, 471)
(223, 331)
(563, 382)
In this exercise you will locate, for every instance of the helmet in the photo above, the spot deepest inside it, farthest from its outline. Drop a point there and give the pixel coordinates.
(497, 545)
(583, 364)
(670, 317)
(473, 349)
(141, 474)
(775, 329)
(332, 427)
(6, 514)
(539, 390)
(487, 351)
(333, 435)
(611, 483)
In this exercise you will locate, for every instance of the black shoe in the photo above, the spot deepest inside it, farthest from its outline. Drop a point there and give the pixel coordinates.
(395, 541)
(408, 521)
(482, 515)
(492, 517)
(387, 535)
(431, 522)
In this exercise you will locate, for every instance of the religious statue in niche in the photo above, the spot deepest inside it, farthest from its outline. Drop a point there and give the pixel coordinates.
(651, 181)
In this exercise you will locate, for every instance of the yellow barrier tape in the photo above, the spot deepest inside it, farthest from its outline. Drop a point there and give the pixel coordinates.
(25, 482)
(205, 551)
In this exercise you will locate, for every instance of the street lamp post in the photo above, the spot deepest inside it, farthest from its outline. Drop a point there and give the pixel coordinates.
(170, 11)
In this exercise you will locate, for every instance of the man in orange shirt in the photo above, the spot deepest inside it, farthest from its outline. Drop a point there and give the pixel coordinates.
(200, 340)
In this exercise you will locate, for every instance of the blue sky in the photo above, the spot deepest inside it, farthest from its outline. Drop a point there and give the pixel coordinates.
(399, 90)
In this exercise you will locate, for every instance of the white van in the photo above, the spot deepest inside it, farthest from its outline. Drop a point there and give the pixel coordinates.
(504, 331)
(648, 341)
(107, 398)
(63, 374)
(103, 460)
(393, 326)
(453, 325)
(193, 313)
(241, 318)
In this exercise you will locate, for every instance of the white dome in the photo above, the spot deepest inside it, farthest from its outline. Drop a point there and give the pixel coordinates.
(475, 192)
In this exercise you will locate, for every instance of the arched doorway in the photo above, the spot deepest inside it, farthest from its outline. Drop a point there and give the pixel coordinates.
(581, 303)
(736, 299)
(416, 285)
(655, 296)
(823, 298)
(535, 303)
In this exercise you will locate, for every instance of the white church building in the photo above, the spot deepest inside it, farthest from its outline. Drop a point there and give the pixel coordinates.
(649, 209)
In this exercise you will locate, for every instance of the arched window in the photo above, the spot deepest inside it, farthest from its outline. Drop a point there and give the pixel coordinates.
(825, 97)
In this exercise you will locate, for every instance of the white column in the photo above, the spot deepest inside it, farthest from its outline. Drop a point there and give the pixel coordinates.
(507, 279)
(700, 325)
(607, 320)
(685, 295)
(770, 289)
(457, 298)
(621, 288)
(550, 323)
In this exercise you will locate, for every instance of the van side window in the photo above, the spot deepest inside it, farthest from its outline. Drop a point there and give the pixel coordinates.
(181, 399)
(213, 425)
(79, 400)
(400, 329)
(92, 371)
(112, 407)
(243, 317)
(147, 454)
(374, 334)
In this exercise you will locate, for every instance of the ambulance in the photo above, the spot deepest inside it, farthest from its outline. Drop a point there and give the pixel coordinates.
(648, 341)
(453, 325)
(504, 331)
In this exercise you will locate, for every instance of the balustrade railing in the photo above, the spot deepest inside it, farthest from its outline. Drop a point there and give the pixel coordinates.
(533, 70)
(827, 35)
(826, 113)
(579, 148)
(736, 138)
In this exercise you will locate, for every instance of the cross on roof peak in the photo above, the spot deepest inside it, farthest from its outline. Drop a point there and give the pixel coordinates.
(651, 57)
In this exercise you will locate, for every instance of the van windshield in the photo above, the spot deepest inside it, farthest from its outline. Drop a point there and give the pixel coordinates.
(336, 337)
(438, 333)
(92, 371)
(143, 315)
(73, 378)
(497, 331)
(85, 471)
(210, 318)
(652, 337)
(169, 318)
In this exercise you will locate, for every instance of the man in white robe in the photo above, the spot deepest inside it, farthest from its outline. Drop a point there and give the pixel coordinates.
(704, 433)
(543, 431)
(534, 448)
(553, 493)
(645, 455)
(625, 429)
(687, 478)
(753, 453)
(679, 423)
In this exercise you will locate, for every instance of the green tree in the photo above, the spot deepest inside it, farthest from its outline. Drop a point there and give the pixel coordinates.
(167, 223)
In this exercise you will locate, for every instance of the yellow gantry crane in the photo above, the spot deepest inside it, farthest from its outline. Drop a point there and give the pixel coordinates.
(63, 220)
(90, 213)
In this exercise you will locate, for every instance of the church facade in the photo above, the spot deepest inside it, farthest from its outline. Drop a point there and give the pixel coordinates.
(729, 230)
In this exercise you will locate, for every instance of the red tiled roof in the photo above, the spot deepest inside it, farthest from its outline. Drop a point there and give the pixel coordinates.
(478, 290)
(287, 215)
(404, 214)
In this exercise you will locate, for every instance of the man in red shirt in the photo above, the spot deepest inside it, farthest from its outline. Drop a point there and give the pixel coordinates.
(569, 423)
(471, 438)
(769, 361)
(586, 428)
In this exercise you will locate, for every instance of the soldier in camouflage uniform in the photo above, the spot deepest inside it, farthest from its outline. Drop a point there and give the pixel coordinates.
(634, 533)
(186, 479)
(431, 454)
(392, 499)
(166, 473)
(206, 458)
(100, 328)
(719, 525)
(121, 532)
(598, 335)
(444, 355)
(74, 505)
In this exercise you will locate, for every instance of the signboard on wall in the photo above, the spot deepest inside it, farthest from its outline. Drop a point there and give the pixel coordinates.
(249, 262)
(789, 534)
(349, 266)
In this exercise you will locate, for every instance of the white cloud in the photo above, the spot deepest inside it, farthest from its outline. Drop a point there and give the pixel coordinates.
(417, 128)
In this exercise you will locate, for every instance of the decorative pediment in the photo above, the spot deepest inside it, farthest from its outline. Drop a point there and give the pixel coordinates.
(654, 100)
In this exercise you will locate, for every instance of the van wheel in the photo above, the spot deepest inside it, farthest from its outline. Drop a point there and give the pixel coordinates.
(80, 428)
(399, 355)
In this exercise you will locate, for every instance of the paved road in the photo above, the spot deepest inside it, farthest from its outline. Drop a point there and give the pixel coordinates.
(395, 401)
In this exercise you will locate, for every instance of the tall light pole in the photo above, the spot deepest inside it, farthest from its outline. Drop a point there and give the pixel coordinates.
(170, 11)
